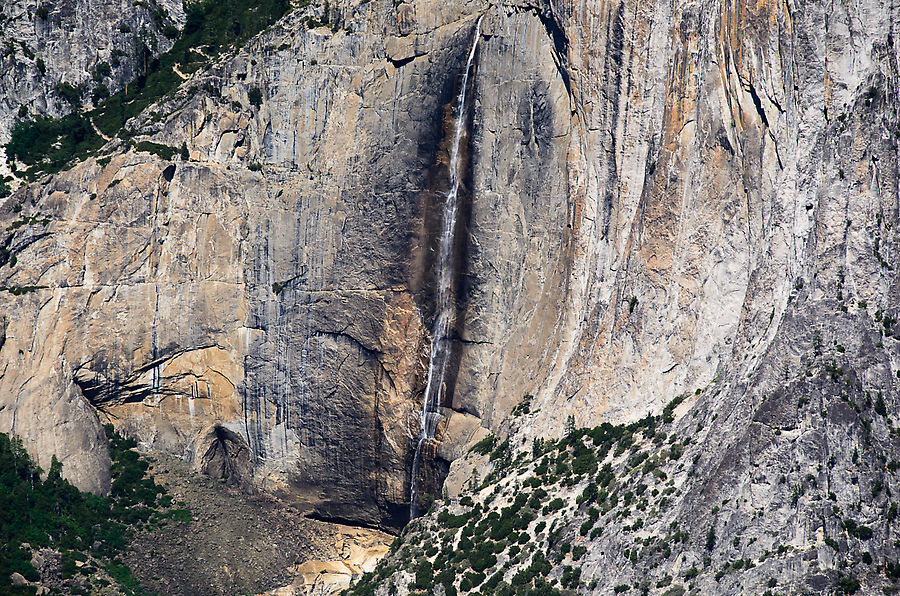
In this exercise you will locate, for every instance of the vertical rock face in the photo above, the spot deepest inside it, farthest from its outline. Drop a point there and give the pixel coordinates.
(64, 41)
(275, 289)
(660, 196)
(731, 214)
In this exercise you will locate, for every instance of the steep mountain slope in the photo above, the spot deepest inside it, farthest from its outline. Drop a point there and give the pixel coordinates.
(659, 199)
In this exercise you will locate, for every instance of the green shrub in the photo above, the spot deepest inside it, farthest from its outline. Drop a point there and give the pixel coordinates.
(101, 71)
(49, 144)
(214, 25)
(32, 511)
(605, 475)
(489, 586)
(892, 570)
(501, 451)
(570, 577)
(585, 527)
(471, 580)
(554, 505)
(165, 152)
(180, 515)
(485, 445)
(523, 408)
(99, 93)
(585, 461)
(668, 411)
(448, 520)
(424, 575)
(589, 494)
(254, 96)
(481, 558)
(69, 93)
(847, 585)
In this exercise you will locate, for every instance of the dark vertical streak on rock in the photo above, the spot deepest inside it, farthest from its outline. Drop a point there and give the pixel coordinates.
(613, 70)
(560, 45)
(758, 104)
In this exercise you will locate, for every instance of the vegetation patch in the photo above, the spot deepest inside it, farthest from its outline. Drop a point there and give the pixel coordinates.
(89, 531)
(165, 152)
(20, 290)
(511, 539)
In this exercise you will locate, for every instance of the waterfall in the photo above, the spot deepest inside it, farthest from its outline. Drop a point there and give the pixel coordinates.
(191, 398)
(445, 300)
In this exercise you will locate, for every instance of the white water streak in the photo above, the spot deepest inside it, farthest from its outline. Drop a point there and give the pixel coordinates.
(446, 303)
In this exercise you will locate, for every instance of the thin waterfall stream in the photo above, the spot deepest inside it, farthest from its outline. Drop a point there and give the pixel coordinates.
(435, 386)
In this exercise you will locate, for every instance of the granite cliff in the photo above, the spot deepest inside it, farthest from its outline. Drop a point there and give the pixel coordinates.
(694, 201)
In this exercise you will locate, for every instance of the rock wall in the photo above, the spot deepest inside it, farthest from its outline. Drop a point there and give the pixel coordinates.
(653, 191)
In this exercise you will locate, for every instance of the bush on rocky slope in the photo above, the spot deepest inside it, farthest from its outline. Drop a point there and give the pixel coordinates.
(613, 508)
(494, 547)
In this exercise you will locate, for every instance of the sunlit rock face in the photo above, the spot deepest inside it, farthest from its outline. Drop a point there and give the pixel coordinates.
(657, 196)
